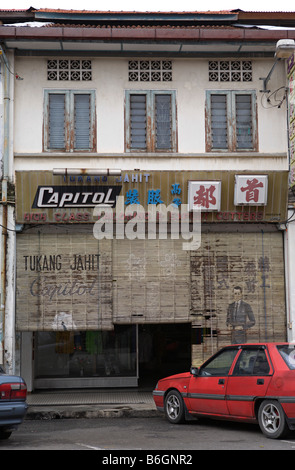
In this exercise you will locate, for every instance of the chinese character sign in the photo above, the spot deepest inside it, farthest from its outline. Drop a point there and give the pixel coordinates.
(251, 190)
(204, 194)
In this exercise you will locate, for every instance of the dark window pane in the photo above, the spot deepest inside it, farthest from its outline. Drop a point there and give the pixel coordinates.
(252, 362)
(220, 364)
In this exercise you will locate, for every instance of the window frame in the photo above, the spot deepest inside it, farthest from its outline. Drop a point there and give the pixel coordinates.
(229, 351)
(69, 110)
(151, 137)
(253, 363)
(231, 121)
(284, 350)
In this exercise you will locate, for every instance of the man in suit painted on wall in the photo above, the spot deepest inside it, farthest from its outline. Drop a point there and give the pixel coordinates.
(240, 317)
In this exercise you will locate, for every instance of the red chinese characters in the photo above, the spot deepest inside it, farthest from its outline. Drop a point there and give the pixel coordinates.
(204, 195)
(252, 191)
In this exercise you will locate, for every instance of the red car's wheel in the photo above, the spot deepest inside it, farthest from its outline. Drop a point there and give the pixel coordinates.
(272, 419)
(174, 407)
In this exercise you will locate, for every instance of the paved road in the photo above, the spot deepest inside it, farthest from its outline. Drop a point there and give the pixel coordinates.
(120, 434)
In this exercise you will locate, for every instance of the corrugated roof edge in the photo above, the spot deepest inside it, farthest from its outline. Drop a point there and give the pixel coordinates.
(49, 10)
(154, 33)
(20, 10)
(127, 12)
(208, 12)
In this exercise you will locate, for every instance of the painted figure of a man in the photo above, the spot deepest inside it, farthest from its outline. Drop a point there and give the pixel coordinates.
(240, 317)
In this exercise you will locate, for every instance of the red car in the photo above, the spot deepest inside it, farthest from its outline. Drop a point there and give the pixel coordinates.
(246, 382)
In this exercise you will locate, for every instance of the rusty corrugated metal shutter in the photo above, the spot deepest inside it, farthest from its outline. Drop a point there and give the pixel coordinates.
(252, 261)
(64, 281)
(95, 284)
(151, 281)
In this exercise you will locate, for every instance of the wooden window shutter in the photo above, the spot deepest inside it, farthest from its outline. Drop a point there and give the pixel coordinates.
(163, 121)
(82, 121)
(219, 121)
(56, 121)
(138, 121)
(244, 131)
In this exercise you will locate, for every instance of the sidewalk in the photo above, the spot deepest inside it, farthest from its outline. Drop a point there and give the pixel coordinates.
(108, 403)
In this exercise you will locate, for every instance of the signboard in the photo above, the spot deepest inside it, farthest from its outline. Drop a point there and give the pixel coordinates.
(206, 194)
(75, 196)
(251, 190)
(43, 198)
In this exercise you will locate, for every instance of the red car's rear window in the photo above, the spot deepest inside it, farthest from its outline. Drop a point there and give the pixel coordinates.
(287, 351)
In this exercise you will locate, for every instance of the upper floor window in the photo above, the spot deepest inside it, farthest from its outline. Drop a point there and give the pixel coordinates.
(69, 121)
(231, 121)
(150, 121)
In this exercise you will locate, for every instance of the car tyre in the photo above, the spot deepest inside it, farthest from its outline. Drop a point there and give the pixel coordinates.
(5, 434)
(272, 419)
(174, 407)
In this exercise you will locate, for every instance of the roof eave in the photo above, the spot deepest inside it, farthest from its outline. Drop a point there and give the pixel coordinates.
(150, 33)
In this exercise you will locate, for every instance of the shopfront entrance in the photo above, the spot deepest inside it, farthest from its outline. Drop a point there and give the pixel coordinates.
(127, 356)
(125, 310)
(164, 349)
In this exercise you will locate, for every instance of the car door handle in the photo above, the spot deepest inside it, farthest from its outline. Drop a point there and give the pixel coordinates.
(260, 381)
(221, 381)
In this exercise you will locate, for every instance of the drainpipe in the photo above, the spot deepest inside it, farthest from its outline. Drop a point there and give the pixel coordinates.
(4, 200)
(3, 268)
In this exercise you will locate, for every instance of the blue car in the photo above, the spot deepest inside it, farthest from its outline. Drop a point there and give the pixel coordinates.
(13, 406)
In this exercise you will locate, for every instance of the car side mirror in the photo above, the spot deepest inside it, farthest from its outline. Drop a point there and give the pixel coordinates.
(194, 371)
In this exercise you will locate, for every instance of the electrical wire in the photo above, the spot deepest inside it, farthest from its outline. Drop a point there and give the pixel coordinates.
(289, 219)
(277, 102)
(5, 61)
(26, 227)
(6, 228)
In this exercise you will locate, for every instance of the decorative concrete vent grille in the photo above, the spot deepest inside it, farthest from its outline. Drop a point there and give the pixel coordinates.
(64, 69)
(230, 71)
(150, 70)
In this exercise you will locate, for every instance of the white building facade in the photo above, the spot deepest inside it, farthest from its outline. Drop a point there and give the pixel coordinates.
(166, 116)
